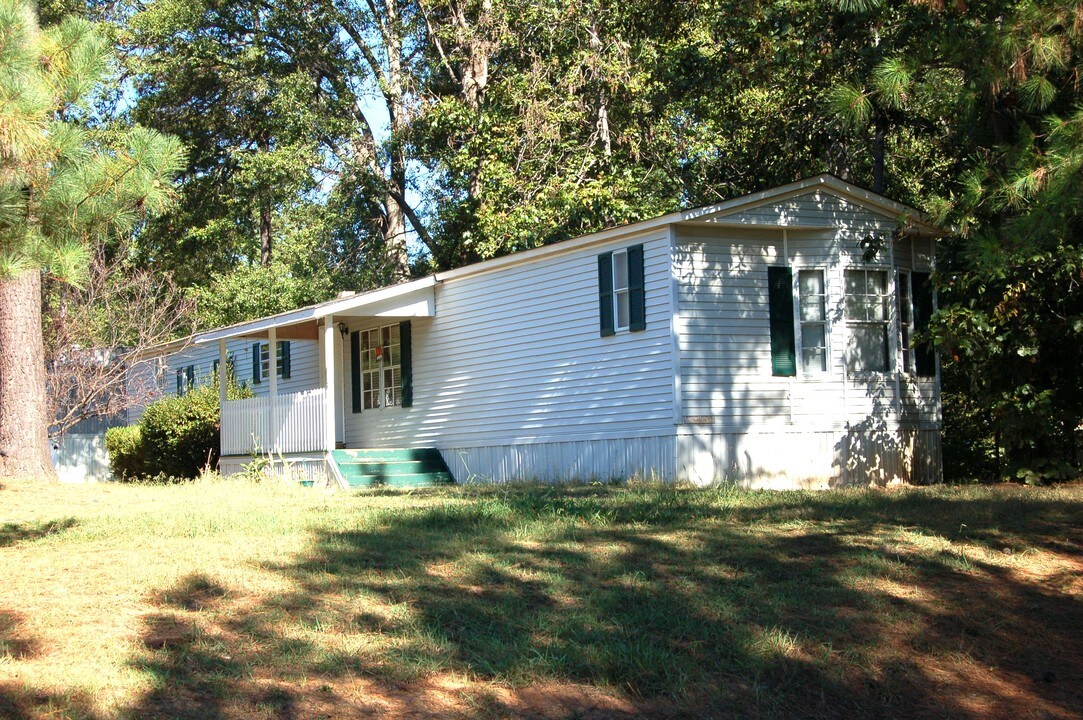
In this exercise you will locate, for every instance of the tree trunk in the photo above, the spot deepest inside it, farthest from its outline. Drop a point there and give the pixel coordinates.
(475, 79)
(264, 232)
(264, 215)
(24, 421)
(395, 230)
(878, 160)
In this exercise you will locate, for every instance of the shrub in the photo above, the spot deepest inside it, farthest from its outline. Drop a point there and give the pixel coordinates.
(126, 452)
(180, 434)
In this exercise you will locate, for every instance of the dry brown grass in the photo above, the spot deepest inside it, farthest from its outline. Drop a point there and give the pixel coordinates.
(223, 599)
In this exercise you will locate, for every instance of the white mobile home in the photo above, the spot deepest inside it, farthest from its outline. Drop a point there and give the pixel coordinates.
(766, 340)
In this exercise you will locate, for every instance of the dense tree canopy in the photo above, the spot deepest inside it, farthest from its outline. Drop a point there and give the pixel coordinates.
(341, 144)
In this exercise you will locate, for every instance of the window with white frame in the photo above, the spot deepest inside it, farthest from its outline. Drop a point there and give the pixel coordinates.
(866, 314)
(622, 300)
(265, 359)
(812, 297)
(381, 367)
(904, 295)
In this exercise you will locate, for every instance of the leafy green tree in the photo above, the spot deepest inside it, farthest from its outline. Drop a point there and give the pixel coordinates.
(1015, 312)
(62, 186)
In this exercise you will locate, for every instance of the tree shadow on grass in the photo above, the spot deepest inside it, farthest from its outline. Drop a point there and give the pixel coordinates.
(12, 533)
(666, 602)
(22, 701)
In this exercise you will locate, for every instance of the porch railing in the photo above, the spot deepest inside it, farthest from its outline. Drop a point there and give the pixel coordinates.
(298, 426)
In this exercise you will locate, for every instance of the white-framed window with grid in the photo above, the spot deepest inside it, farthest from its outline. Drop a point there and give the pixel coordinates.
(904, 295)
(622, 299)
(866, 314)
(812, 310)
(381, 367)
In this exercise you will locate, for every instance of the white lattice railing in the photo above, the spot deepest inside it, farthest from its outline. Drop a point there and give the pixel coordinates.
(298, 426)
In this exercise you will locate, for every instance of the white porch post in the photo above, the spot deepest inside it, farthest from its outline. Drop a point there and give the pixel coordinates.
(272, 390)
(221, 391)
(222, 376)
(329, 382)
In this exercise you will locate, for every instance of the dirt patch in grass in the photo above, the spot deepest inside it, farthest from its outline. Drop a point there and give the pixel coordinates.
(237, 601)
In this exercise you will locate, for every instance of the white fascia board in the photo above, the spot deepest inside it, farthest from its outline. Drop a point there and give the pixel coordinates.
(345, 306)
(165, 348)
(350, 305)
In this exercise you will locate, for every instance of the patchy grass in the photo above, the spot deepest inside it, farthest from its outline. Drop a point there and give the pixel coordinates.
(224, 599)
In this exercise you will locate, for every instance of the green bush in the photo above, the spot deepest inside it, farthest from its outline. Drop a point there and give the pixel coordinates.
(126, 452)
(180, 434)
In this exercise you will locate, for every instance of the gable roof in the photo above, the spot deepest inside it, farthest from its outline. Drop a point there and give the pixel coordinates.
(911, 218)
(716, 214)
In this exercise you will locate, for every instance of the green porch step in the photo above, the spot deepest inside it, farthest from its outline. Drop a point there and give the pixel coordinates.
(393, 467)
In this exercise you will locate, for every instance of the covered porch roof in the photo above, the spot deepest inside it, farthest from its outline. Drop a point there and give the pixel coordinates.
(410, 299)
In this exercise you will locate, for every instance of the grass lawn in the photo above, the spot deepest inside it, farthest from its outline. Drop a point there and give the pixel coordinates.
(222, 599)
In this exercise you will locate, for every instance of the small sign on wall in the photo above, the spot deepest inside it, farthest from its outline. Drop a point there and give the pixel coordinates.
(699, 419)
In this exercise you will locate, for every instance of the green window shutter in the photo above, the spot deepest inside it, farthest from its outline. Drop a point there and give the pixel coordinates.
(605, 293)
(190, 375)
(924, 356)
(780, 295)
(406, 352)
(214, 369)
(636, 289)
(180, 383)
(355, 370)
(255, 363)
(284, 347)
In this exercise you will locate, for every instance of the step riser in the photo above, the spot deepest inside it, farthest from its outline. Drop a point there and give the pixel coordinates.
(405, 467)
(405, 455)
(420, 480)
(392, 467)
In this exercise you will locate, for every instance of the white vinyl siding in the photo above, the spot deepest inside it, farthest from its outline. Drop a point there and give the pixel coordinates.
(816, 209)
(724, 333)
(514, 356)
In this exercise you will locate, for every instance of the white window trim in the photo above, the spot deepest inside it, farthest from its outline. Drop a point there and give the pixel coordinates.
(891, 322)
(265, 359)
(907, 368)
(829, 372)
(627, 290)
(379, 372)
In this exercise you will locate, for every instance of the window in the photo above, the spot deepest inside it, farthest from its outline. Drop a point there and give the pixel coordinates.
(866, 316)
(261, 360)
(906, 320)
(230, 367)
(622, 306)
(621, 291)
(186, 379)
(812, 294)
(381, 367)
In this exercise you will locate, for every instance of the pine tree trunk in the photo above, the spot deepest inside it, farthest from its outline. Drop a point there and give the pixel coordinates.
(23, 419)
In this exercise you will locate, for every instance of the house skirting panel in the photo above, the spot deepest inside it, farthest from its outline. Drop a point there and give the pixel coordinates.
(81, 458)
(846, 457)
(565, 461)
(299, 467)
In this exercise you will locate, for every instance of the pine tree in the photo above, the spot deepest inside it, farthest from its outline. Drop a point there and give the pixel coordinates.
(63, 186)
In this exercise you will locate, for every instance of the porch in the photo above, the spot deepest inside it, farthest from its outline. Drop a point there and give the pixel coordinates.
(312, 418)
